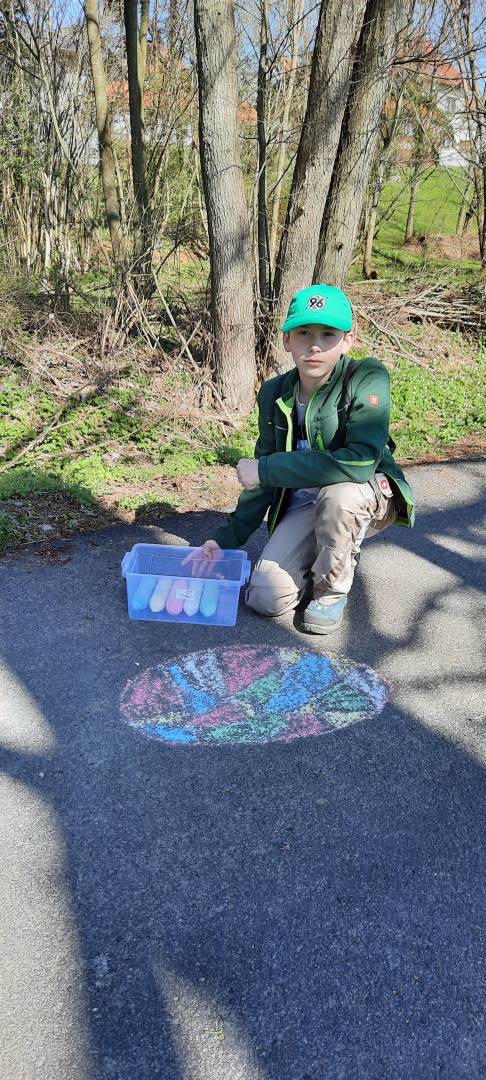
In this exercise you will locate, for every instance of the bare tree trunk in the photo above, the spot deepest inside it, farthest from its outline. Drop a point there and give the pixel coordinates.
(337, 31)
(359, 136)
(414, 190)
(464, 208)
(297, 16)
(382, 154)
(462, 19)
(470, 214)
(173, 25)
(481, 214)
(135, 101)
(47, 234)
(200, 201)
(107, 164)
(229, 238)
(262, 220)
(368, 271)
(142, 54)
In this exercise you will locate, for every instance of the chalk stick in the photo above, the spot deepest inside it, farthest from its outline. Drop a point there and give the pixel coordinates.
(176, 597)
(191, 603)
(143, 592)
(159, 596)
(209, 599)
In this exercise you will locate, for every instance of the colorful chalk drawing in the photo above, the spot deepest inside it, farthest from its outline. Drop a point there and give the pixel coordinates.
(250, 695)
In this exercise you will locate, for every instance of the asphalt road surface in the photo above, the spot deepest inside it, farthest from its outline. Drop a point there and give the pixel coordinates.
(312, 909)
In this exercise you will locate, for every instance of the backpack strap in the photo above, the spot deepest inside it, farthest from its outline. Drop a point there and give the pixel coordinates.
(345, 396)
(343, 406)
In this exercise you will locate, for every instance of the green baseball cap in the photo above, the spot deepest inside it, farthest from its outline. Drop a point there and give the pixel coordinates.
(323, 304)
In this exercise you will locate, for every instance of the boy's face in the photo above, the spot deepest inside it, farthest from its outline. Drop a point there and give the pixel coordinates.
(316, 349)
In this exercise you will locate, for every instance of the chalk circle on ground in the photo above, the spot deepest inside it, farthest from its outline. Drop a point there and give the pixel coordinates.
(250, 695)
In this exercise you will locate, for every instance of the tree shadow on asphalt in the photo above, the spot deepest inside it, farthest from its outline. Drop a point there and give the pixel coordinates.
(320, 902)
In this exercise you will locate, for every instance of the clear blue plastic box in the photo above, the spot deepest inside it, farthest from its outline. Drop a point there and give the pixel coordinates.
(146, 564)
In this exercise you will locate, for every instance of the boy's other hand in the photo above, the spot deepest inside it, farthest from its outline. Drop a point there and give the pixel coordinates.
(247, 473)
(203, 560)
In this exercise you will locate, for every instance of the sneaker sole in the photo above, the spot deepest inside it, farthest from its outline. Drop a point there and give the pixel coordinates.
(320, 628)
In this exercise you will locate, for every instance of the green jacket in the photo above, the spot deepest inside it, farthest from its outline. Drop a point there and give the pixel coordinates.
(348, 451)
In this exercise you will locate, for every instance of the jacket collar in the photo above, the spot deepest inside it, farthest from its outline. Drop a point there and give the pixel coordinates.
(292, 377)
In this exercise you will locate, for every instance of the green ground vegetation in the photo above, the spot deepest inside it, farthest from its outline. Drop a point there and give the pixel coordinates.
(105, 448)
(134, 439)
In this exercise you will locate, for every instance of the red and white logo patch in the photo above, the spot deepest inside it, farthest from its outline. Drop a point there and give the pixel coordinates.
(384, 485)
(373, 399)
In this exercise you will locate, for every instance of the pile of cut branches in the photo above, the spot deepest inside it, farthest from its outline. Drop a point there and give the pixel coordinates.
(461, 309)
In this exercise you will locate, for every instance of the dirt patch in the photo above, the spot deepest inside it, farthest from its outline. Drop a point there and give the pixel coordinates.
(444, 247)
(471, 447)
(56, 515)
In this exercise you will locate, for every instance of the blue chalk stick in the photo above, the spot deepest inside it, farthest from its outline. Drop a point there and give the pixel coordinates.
(143, 592)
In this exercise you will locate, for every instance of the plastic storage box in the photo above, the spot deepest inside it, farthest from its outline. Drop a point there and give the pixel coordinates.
(156, 579)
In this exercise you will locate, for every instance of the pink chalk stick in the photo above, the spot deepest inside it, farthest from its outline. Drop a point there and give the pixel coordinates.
(176, 597)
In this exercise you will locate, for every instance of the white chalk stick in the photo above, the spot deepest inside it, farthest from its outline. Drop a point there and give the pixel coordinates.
(193, 597)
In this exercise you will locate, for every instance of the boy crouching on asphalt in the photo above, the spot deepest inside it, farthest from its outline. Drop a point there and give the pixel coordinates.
(323, 468)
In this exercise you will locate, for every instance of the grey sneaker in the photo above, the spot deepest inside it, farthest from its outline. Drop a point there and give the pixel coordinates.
(322, 618)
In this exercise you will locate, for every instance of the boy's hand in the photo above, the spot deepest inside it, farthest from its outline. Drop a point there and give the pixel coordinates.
(203, 560)
(247, 473)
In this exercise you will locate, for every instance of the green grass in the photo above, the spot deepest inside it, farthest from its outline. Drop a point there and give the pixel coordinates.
(436, 214)
(403, 269)
(438, 204)
(135, 502)
(28, 480)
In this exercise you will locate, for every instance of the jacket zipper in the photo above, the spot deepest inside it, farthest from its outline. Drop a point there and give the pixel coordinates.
(320, 444)
(319, 437)
(289, 439)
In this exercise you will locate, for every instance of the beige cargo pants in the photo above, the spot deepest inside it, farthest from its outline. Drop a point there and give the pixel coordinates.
(316, 547)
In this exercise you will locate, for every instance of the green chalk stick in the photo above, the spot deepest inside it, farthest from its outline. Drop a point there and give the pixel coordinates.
(209, 599)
